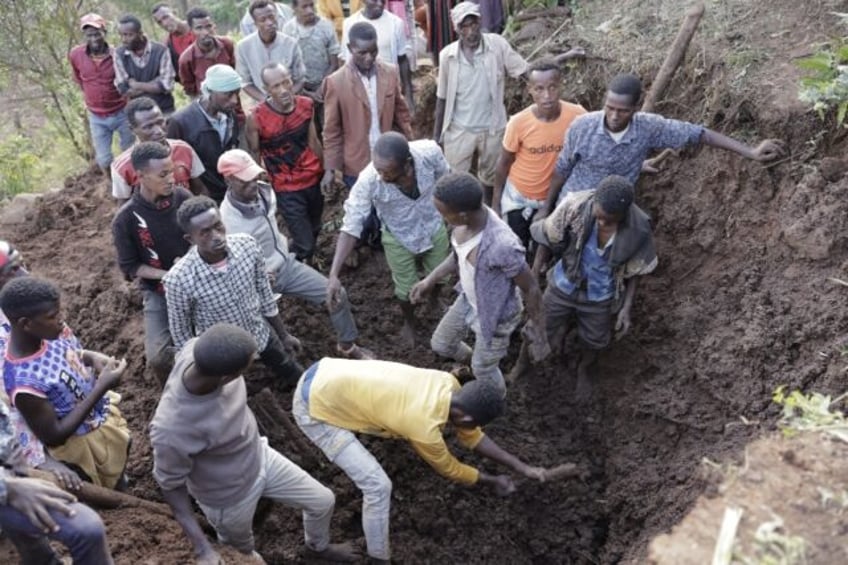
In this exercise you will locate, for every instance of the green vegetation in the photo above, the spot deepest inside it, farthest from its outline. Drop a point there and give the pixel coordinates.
(802, 413)
(826, 85)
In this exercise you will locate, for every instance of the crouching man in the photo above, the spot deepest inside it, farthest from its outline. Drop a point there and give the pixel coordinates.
(206, 443)
(337, 398)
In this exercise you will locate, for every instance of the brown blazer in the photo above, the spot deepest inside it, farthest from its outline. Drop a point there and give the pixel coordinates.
(347, 116)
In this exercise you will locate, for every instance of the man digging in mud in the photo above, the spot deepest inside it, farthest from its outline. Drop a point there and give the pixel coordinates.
(492, 269)
(399, 183)
(206, 443)
(337, 398)
(605, 243)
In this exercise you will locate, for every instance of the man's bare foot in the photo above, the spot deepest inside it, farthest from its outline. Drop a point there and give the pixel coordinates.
(341, 552)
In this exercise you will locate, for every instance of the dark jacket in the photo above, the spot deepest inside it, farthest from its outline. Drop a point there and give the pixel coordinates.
(191, 125)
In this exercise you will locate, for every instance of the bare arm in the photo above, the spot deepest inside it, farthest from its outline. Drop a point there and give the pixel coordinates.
(767, 150)
(197, 187)
(180, 505)
(344, 246)
(148, 272)
(491, 450)
(554, 188)
(532, 297)
(47, 426)
(423, 287)
(505, 162)
(622, 322)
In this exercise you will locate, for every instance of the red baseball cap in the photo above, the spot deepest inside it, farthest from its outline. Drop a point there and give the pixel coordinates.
(238, 163)
(92, 20)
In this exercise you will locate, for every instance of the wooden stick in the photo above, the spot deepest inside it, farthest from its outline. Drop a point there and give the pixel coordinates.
(674, 57)
(566, 470)
(101, 497)
(272, 407)
(723, 552)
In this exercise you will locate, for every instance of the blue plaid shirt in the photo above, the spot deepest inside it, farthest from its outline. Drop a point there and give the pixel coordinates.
(594, 265)
(591, 154)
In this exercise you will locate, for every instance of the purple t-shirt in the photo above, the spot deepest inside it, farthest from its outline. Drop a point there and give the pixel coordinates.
(56, 372)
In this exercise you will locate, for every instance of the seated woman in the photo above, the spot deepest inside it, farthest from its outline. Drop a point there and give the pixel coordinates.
(62, 390)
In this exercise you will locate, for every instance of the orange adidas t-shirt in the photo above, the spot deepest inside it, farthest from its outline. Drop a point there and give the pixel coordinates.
(536, 145)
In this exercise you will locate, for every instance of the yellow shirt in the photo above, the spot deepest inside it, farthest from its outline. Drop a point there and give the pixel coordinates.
(396, 401)
(332, 10)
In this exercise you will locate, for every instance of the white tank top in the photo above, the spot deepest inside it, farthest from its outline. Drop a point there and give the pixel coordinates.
(466, 269)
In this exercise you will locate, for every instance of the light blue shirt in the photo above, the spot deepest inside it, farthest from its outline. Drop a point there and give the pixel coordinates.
(594, 266)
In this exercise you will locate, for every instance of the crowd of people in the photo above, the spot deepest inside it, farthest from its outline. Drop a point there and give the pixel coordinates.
(311, 101)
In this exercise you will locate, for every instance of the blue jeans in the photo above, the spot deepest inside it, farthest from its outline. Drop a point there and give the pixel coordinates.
(83, 534)
(103, 129)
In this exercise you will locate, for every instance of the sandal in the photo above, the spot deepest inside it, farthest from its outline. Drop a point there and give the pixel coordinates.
(356, 352)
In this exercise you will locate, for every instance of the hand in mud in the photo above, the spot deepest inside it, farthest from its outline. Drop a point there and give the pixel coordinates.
(111, 374)
(649, 167)
(503, 485)
(292, 344)
(535, 473)
(622, 324)
(420, 291)
(769, 149)
(209, 557)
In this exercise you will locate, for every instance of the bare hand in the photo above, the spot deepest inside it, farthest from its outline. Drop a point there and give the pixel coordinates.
(35, 498)
(537, 341)
(334, 293)
(67, 479)
(292, 344)
(99, 361)
(649, 167)
(327, 181)
(535, 473)
(769, 149)
(503, 485)
(574, 53)
(17, 460)
(420, 291)
(112, 373)
(622, 323)
(272, 277)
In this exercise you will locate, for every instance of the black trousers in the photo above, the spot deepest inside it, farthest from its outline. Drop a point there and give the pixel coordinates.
(302, 210)
(279, 361)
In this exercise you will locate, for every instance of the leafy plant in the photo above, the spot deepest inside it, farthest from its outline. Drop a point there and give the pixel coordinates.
(826, 83)
(20, 159)
(810, 413)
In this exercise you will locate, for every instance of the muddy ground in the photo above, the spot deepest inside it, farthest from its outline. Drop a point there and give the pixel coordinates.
(740, 304)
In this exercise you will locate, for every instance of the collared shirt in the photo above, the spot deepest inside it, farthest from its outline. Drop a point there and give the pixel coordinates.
(396, 401)
(391, 36)
(318, 45)
(200, 296)
(370, 84)
(166, 76)
(500, 258)
(220, 123)
(194, 63)
(473, 111)
(591, 154)
(500, 59)
(95, 75)
(252, 54)
(413, 222)
(594, 267)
